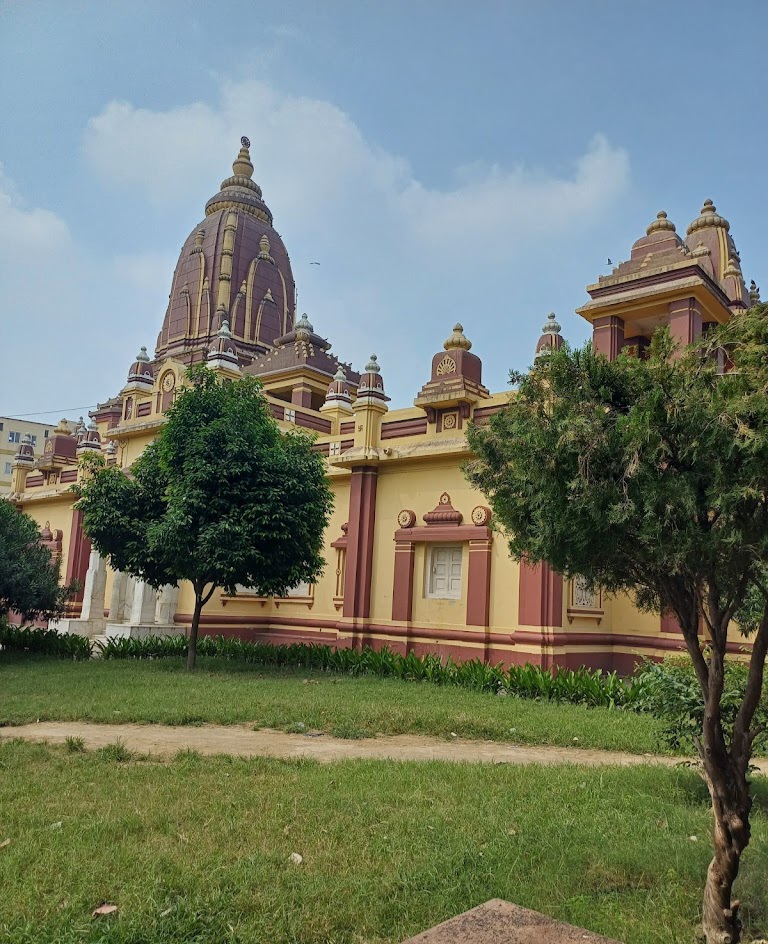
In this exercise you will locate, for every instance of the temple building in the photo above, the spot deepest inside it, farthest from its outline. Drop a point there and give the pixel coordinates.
(413, 561)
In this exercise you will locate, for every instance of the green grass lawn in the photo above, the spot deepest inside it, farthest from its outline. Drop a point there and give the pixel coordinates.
(197, 849)
(161, 691)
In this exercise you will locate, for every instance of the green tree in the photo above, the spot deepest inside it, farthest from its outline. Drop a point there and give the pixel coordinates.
(650, 477)
(220, 498)
(29, 577)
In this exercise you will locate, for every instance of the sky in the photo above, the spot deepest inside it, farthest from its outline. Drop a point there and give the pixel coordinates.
(442, 161)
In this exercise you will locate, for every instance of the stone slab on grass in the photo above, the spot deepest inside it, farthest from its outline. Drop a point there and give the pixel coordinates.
(499, 922)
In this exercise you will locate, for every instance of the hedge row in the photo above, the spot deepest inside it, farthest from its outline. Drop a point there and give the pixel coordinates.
(582, 686)
(44, 641)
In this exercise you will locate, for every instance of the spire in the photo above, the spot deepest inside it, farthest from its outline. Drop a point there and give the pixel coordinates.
(708, 217)
(141, 371)
(551, 339)
(242, 166)
(338, 389)
(754, 293)
(240, 192)
(304, 328)
(371, 383)
(223, 351)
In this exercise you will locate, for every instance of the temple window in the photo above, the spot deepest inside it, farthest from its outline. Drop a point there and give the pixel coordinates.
(443, 578)
(301, 589)
(335, 449)
(585, 600)
(289, 416)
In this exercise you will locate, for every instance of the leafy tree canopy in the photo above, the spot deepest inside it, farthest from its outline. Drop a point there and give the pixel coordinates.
(650, 477)
(220, 498)
(29, 577)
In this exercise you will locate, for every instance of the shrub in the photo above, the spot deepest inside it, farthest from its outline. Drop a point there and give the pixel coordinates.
(44, 642)
(669, 690)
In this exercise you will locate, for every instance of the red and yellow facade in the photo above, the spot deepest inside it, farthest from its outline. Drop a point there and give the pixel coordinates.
(413, 559)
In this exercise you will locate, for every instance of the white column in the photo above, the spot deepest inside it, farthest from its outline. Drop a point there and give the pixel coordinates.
(166, 604)
(117, 597)
(95, 585)
(144, 601)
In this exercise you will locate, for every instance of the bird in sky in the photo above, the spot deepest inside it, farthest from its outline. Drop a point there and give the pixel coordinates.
(609, 262)
(314, 263)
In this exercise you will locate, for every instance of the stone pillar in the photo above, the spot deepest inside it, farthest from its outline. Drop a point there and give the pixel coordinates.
(540, 604)
(144, 603)
(301, 395)
(362, 517)
(77, 556)
(685, 321)
(165, 609)
(479, 583)
(117, 597)
(541, 596)
(608, 336)
(402, 584)
(95, 586)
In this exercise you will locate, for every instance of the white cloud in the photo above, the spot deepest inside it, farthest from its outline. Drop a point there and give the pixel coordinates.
(401, 260)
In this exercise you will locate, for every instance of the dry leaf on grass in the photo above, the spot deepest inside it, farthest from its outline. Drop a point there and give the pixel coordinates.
(105, 909)
(5, 843)
(295, 858)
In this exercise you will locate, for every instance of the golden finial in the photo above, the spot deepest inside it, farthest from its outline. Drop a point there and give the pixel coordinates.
(660, 223)
(242, 166)
(457, 340)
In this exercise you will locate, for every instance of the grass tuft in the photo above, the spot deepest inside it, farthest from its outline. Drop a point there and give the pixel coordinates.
(74, 745)
(116, 751)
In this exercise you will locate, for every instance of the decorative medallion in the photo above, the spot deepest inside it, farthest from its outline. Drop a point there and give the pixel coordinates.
(48, 447)
(168, 381)
(245, 141)
(406, 518)
(449, 421)
(445, 499)
(446, 366)
(481, 515)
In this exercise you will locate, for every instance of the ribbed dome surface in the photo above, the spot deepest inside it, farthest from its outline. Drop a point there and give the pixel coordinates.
(233, 267)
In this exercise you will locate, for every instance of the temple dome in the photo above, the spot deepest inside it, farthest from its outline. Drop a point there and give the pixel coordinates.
(236, 261)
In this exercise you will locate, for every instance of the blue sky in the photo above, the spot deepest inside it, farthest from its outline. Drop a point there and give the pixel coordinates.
(443, 161)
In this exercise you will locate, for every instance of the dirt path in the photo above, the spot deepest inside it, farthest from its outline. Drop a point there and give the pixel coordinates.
(240, 740)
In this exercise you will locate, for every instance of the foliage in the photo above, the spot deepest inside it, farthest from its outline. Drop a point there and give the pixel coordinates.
(670, 691)
(29, 577)
(650, 477)
(580, 687)
(220, 498)
(44, 641)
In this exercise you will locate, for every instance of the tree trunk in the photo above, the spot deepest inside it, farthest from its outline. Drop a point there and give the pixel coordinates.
(192, 642)
(720, 919)
(725, 773)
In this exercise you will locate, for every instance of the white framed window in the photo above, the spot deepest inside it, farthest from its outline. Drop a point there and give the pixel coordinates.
(444, 562)
(14, 437)
(8, 468)
(300, 590)
(289, 415)
(335, 449)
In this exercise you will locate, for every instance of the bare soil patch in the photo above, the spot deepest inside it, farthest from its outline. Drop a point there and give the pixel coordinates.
(242, 741)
